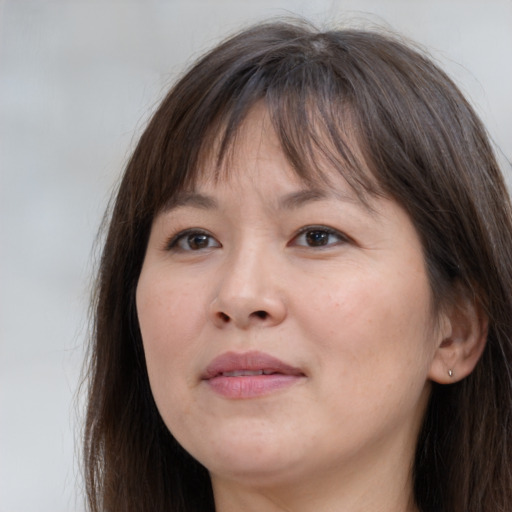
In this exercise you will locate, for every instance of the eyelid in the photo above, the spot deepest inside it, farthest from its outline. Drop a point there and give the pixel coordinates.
(318, 227)
(172, 243)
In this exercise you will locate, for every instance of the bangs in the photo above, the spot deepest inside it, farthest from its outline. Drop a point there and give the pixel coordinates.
(311, 109)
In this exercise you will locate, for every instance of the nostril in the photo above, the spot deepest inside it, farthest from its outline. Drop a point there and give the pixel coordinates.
(261, 314)
(223, 317)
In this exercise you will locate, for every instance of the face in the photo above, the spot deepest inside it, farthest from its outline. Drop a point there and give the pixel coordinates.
(287, 329)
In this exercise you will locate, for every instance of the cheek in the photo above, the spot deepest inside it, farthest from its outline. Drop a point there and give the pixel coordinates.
(169, 321)
(374, 352)
(373, 324)
(163, 314)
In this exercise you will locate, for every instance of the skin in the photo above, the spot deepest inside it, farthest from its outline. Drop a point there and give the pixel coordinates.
(355, 315)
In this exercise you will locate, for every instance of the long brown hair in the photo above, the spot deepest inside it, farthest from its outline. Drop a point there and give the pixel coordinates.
(419, 142)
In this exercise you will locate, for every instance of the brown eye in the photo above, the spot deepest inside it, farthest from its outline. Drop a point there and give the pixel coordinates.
(192, 240)
(319, 236)
(198, 241)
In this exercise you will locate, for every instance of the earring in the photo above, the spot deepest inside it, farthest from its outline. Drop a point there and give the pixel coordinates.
(450, 373)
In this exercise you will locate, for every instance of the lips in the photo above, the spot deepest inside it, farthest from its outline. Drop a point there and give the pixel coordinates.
(248, 362)
(249, 375)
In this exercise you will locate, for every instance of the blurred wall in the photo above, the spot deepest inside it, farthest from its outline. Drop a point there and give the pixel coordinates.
(77, 83)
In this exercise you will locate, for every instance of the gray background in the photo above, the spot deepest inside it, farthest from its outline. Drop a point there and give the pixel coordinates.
(77, 83)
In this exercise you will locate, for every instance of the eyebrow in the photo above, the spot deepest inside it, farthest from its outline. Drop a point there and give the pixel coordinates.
(297, 199)
(291, 201)
(310, 195)
(194, 199)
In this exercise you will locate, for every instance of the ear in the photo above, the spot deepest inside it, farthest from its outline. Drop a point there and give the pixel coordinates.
(461, 340)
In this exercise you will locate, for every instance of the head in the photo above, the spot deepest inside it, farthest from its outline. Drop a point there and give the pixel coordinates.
(381, 118)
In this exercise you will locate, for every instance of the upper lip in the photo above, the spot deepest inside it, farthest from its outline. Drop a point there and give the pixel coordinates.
(252, 361)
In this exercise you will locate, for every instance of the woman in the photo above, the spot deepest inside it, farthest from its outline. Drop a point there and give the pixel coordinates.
(304, 296)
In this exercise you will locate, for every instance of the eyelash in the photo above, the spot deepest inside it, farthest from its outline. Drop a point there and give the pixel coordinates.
(320, 229)
(185, 236)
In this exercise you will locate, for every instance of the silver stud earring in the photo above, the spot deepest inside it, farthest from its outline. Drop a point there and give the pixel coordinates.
(450, 373)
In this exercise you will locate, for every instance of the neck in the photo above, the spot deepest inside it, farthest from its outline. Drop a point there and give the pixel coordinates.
(377, 489)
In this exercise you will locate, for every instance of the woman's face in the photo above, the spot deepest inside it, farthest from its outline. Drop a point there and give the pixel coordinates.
(287, 330)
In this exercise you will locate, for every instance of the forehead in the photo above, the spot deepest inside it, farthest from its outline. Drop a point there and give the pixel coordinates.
(257, 165)
(264, 144)
(320, 149)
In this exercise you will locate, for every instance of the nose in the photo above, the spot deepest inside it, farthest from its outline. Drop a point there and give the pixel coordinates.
(249, 294)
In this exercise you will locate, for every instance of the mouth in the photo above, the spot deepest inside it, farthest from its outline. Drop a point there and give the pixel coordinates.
(249, 375)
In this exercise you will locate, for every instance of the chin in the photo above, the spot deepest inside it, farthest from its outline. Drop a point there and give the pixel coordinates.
(265, 472)
(253, 456)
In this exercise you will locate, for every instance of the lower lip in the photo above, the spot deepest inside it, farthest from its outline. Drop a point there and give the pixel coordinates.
(251, 386)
